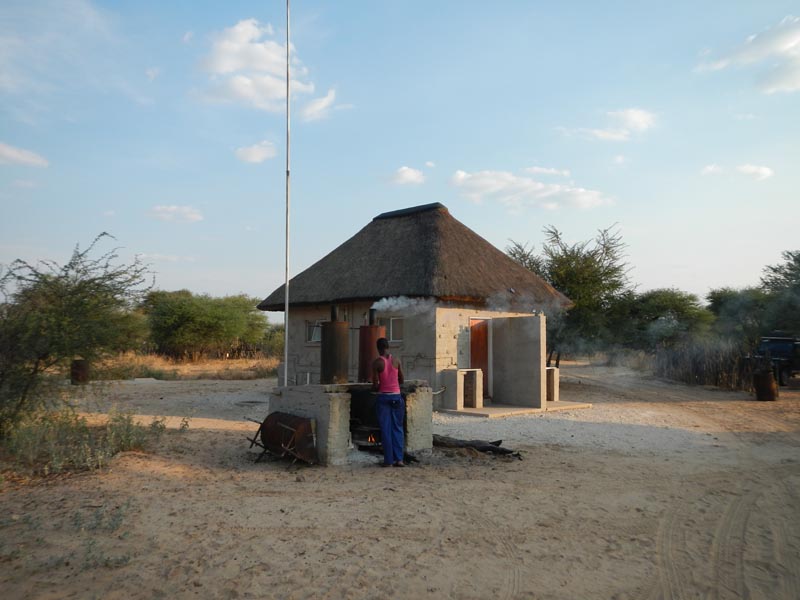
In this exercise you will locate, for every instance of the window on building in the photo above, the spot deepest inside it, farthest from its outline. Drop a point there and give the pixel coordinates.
(314, 331)
(394, 328)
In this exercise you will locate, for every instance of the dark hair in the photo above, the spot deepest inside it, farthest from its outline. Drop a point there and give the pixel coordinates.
(383, 344)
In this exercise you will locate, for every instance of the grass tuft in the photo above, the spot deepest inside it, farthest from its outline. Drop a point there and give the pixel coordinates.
(51, 442)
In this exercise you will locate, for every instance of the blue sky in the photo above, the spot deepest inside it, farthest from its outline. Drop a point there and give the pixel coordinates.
(163, 124)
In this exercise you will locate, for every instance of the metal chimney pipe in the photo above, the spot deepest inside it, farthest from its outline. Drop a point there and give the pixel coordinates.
(334, 312)
(372, 314)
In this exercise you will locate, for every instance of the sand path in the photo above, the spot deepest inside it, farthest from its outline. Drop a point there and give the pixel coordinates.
(659, 491)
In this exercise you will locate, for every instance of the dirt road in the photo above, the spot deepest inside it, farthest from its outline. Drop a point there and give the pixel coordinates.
(658, 491)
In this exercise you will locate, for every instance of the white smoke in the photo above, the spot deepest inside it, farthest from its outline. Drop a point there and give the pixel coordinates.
(512, 301)
(404, 305)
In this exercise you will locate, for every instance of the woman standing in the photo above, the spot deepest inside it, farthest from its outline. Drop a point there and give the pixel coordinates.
(387, 375)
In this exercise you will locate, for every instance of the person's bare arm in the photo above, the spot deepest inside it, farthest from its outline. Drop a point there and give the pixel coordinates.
(377, 367)
(399, 373)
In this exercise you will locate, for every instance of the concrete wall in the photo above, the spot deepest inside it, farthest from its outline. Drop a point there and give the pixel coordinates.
(329, 406)
(452, 341)
(519, 361)
(415, 352)
(305, 357)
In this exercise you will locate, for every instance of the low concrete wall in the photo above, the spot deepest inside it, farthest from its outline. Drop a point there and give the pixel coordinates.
(454, 396)
(329, 406)
(419, 417)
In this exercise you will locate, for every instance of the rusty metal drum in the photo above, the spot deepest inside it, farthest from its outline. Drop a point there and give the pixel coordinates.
(335, 347)
(368, 335)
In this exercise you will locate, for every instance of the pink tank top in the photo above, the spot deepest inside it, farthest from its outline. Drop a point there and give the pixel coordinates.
(387, 378)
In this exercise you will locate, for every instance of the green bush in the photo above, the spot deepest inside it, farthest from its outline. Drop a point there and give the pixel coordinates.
(51, 314)
(185, 325)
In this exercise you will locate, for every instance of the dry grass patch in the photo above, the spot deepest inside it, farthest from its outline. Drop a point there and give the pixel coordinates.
(129, 366)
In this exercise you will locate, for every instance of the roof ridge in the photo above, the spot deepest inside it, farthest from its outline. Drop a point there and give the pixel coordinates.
(412, 210)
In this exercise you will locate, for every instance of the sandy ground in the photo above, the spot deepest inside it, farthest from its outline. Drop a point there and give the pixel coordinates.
(659, 491)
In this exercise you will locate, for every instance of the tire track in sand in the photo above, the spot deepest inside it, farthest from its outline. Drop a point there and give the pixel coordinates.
(669, 584)
(509, 551)
(727, 546)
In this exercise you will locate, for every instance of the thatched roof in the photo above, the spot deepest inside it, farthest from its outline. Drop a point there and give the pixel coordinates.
(419, 252)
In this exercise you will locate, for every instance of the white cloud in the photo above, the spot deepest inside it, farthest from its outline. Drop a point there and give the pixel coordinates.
(547, 171)
(406, 175)
(187, 37)
(623, 124)
(257, 153)
(777, 48)
(620, 159)
(152, 73)
(319, 108)
(517, 192)
(608, 135)
(265, 92)
(756, 171)
(430, 164)
(241, 48)
(246, 66)
(175, 214)
(633, 119)
(9, 155)
(711, 169)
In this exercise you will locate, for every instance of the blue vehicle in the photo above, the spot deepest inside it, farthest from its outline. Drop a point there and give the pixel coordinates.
(784, 354)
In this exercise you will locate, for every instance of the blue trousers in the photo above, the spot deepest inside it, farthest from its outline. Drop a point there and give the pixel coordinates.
(391, 409)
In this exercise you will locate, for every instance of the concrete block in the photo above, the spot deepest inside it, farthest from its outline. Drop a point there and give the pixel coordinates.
(464, 388)
(419, 419)
(552, 384)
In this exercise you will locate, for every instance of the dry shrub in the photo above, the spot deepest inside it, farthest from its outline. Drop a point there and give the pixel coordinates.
(715, 361)
(129, 366)
(60, 440)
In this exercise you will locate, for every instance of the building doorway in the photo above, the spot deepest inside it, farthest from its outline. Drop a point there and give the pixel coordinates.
(479, 350)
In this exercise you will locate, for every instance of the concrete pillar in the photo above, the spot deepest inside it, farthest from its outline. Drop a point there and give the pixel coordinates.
(552, 384)
(419, 418)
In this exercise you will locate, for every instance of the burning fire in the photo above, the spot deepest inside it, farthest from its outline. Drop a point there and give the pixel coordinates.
(371, 439)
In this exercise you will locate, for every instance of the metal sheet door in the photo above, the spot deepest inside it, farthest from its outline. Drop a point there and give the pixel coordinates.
(479, 349)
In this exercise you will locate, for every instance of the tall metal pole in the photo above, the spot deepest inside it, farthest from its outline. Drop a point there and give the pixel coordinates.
(286, 284)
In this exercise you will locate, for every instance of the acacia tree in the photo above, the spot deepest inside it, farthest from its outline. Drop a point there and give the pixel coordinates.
(51, 314)
(592, 273)
(782, 283)
(665, 317)
(741, 314)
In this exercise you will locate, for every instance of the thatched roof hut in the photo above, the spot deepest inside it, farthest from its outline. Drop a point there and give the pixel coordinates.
(419, 252)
